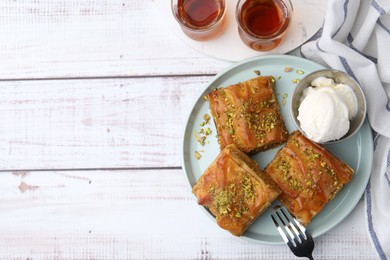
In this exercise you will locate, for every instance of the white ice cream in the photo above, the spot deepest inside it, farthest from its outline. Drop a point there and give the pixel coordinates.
(326, 109)
(349, 98)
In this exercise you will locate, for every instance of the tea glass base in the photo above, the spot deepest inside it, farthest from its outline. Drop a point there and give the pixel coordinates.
(260, 45)
(205, 35)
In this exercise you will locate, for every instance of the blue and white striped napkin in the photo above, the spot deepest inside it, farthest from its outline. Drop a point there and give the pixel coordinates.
(355, 38)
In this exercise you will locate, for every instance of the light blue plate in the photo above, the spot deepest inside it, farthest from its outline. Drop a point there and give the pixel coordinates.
(357, 151)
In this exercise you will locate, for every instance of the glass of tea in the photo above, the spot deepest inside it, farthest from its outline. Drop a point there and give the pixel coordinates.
(200, 19)
(262, 24)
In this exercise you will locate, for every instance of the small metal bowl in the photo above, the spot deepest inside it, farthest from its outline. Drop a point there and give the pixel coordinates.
(338, 77)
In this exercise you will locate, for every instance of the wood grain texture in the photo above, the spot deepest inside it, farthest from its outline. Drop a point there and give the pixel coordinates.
(111, 123)
(57, 39)
(90, 159)
(133, 214)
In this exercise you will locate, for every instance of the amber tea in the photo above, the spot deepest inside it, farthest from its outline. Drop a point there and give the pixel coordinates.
(200, 19)
(263, 23)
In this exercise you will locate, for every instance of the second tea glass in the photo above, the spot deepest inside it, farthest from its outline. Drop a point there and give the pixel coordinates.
(263, 24)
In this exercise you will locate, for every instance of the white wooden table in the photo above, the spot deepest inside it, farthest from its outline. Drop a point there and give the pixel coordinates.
(93, 100)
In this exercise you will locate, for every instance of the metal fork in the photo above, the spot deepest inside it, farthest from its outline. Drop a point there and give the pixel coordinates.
(293, 233)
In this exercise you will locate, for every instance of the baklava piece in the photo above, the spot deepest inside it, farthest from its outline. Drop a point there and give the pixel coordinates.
(234, 190)
(308, 175)
(247, 114)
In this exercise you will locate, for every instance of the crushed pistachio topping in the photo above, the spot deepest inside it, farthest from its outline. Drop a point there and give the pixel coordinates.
(230, 112)
(250, 113)
(224, 199)
(279, 77)
(200, 138)
(295, 142)
(296, 81)
(316, 158)
(206, 118)
(267, 103)
(292, 182)
(268, 121)
(222, 202)
(249, 192)
(311, 155)
(300, 72)
(284, 100)
(197, 155)
(230, 116)
(232, 200)
(331, 172)
(202, 134)
(257, 72)
(260, 124)
(284, 167)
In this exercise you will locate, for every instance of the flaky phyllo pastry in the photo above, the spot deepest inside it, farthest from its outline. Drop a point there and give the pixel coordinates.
(308, 175)
(235, 190)
(247, 114)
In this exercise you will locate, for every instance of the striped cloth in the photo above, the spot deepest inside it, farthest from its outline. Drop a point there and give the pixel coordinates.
(355, 38)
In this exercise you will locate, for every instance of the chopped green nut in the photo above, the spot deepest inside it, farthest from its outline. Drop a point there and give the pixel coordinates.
(296, 81)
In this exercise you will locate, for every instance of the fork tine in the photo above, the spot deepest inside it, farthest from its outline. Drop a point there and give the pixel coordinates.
(298, 229)
(280, 230)
(285, 225)
(301, 228)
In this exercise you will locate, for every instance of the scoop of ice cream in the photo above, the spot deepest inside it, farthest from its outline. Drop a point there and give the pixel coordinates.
(322, 82)
(323, 115)
(348, 96)
(344, 91)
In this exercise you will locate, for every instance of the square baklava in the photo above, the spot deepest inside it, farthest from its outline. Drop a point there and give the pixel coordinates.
(308, 175)
(247, 114)
(235, 190)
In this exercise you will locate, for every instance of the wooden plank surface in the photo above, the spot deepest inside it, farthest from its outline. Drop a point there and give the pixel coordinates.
(110, 123)
(57, 39)
(133, 214)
